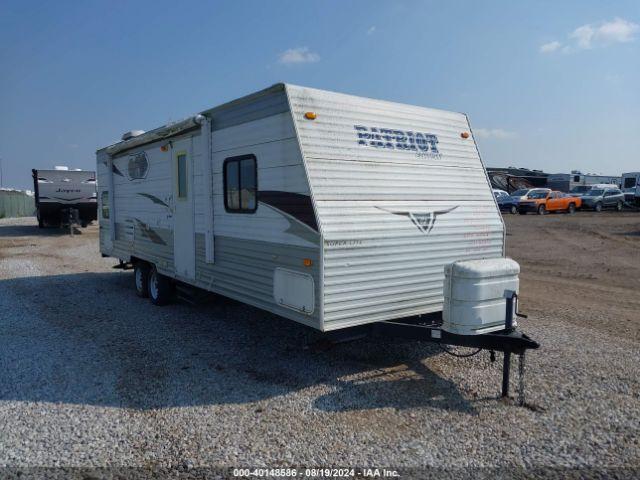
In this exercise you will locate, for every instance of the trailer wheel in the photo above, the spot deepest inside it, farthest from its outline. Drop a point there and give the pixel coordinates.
(542, 210)
(572, 208)
(514, 209)
(141, 279)
(160, 288)
(598, 207)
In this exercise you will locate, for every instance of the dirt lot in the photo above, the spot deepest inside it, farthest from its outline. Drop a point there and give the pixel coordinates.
(584, 268)
(92, 376)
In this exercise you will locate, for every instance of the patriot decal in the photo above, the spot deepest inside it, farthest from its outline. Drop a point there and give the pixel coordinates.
(425, 144)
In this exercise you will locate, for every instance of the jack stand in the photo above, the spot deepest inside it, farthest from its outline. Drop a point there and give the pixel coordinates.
(506, 367)
(521, 380)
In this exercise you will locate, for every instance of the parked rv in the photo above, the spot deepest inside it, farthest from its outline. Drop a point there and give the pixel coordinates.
(631, 188)
(276, 200)
(62, 192)
(580, 190)
(601, 198)
(331, 210)
(566, 182)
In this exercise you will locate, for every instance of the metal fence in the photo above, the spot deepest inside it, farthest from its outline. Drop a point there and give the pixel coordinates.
(15, 203)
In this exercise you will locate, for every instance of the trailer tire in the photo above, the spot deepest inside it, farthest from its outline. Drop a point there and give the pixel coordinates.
(514, 209)
(572, 208)
(542, 210)
(598, 207)
(160, 288)
(141, 279)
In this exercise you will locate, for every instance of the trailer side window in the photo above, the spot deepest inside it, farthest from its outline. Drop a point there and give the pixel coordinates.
(104, 201)
(240, 184)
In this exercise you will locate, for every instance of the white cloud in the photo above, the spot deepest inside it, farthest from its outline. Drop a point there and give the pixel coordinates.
(593, 35)
(371, 30)
(619, 30)
(550, 47)
(497, 133)
(583, 36)
(298, 55)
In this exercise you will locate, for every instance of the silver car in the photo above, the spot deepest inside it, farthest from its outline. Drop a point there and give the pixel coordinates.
(600, 198)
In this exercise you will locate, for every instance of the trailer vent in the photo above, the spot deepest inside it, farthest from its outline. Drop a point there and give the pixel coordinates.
(138, 166)
(131, 134)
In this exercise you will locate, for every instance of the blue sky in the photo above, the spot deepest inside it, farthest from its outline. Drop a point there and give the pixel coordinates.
(546, 84)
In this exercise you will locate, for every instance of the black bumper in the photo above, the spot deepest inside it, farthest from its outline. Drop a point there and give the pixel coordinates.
(52, 211)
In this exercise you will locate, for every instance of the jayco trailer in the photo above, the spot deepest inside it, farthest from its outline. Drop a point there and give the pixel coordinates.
(60, 190)
(336, 211)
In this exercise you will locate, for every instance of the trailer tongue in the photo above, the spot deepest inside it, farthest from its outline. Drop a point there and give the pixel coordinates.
(480, 309)
(509, 341)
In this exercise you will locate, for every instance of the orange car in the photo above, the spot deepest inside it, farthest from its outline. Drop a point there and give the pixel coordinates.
(543, 200)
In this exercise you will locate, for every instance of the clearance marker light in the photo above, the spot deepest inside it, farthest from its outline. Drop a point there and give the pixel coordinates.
(164, 148)
(310, 115)
(307, 262)
(464, 134)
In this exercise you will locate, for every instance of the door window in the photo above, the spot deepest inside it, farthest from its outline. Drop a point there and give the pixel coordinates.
(181, 168)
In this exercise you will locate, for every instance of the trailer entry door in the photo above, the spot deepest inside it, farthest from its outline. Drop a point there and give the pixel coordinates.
(183, 219)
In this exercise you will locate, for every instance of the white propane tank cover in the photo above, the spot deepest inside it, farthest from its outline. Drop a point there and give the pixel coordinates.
(475, 293)
(485, 268)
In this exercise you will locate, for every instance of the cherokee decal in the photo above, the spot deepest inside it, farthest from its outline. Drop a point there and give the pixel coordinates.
(297, 205)
(424, 221)
(115, 170)
(297, 209)
(149, 232)
(154, 199)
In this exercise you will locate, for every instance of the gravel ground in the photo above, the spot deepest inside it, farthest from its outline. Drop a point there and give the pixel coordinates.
(92, 376)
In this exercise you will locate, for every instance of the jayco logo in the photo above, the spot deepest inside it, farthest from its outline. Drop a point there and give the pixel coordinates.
(423, 144)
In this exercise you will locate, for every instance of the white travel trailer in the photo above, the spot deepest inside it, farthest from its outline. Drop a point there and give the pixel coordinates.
(631, 187)
(328, 209)
(59, 190)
